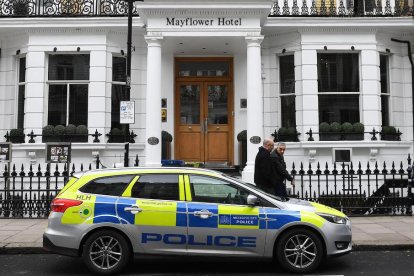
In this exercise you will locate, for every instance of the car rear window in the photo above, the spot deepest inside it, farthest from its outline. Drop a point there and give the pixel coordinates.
(114, 185)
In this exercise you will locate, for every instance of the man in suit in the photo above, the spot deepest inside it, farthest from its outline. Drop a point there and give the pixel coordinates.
(281, 173)
(264, 173)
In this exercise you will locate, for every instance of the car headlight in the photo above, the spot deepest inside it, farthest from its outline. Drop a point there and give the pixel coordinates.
(333, 218)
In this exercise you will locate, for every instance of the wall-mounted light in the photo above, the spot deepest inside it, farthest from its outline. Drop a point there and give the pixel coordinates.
(283, 51)
(388, 50)
(325, 48)
(122, 52)
(18, 52)
(54, 49)
(352, 48)
(78, 49)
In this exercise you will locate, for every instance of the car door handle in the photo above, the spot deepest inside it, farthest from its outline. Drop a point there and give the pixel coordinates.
(133, 209)
(204, 214)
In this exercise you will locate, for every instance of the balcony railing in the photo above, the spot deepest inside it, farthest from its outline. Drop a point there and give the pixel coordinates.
(338, 8)
(46, 8)
(307, 8)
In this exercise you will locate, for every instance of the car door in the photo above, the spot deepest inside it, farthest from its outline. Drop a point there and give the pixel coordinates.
(153, 214)
(219, 219)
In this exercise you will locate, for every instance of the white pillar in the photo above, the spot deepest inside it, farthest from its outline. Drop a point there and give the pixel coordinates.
(254, 104)
(153, 103)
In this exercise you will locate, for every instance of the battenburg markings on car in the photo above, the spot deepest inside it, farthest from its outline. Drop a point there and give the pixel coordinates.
(209, 240)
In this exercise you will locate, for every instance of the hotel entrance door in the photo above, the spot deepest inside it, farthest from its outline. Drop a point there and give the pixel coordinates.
(204, 120)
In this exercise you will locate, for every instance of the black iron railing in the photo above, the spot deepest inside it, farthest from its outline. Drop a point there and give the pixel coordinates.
(371, 191)
(36, 8)
(318, 8)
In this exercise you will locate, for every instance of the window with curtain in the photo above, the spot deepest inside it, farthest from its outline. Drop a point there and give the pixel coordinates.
(287, 91)
(338, 86)
(21, 87)
(68, 89)
(385, 90)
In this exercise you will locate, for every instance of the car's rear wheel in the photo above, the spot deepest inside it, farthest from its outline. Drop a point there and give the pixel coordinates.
(299, 251)
(106, 252)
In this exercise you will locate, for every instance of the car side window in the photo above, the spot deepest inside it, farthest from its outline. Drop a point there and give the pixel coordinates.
(114, 185)
(213, 190)
(157, 186)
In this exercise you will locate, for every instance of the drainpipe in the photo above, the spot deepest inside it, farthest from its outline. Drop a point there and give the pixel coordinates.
(410, 57)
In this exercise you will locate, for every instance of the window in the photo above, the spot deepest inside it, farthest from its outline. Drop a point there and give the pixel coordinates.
(68, 89)
(21, 92)
(156, 186)
(212, 190)
(338, 86)
(287, 91)
(385, 90)
(342, 155)
(113, 186)
(119, 92)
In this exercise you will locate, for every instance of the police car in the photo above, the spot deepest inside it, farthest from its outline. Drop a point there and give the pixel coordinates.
(105, 216)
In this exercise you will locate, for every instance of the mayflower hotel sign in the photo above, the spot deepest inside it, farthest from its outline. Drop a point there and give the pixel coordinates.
(203, 22)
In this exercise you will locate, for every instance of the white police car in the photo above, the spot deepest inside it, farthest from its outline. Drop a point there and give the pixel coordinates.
(105, 216)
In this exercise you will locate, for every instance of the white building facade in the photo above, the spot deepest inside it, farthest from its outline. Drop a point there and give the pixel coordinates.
(204, 71)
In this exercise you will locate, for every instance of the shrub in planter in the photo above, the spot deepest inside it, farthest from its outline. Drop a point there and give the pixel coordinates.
(70, 129)
(60, 132)
(324, 127)
(16, 135)
(356, 133)
(347, 127)
(242, 136)
(329, 132)
(48, 134)
(81, 132)
(116, 136)
(359, 127)
(389, 133)
(287, 134)
(166, 139)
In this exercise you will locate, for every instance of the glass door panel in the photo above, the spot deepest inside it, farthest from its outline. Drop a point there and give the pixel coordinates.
(189, 104)
(217, 104)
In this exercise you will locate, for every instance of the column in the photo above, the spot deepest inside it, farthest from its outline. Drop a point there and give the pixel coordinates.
(153, 102)
(254, 104)
(370, 91)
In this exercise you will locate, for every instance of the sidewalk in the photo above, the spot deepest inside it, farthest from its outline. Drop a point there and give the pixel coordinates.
(369, 233)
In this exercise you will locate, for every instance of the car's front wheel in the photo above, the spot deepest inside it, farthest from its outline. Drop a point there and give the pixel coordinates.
(106, 252)
(299, 251)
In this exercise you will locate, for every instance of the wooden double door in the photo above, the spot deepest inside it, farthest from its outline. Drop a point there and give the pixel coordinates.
(204, 121)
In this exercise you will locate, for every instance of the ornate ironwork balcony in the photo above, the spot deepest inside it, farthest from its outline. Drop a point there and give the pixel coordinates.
(316, 8)
(59, 8)
(338, 8)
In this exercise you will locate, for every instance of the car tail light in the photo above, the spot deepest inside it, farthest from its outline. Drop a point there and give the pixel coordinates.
(60, 205)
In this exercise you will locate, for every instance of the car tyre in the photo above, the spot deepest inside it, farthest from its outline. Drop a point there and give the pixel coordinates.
(299, 251)
(106, 252)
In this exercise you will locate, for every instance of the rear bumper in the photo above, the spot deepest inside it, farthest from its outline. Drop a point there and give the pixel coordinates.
(48, 245)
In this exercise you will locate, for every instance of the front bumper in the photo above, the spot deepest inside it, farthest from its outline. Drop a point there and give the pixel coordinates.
(338, 239)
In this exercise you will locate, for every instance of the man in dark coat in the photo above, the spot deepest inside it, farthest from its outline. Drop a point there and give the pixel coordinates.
(264, 173)
(281, 173)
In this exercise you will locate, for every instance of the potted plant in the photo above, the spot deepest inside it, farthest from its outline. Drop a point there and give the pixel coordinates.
(60, 132)
(82, 133)
(48, 134)
(70, 132)
(390, 133)
(348, 131)
(16, 136)
(116, 135)
(357, 132)
(166, 138)
(242, 139)
(21, 7)
(287, 134)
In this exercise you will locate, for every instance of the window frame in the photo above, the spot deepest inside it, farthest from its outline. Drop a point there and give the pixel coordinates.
(340, 93)
(67, 83)
(20, 114)
(122, 85)
(137, 182)
(387, 93)
(292, 94)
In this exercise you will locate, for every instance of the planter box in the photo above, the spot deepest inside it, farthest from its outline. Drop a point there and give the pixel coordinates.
(117, 139)
(390, 137)
(17, 139)
(354, 136)
(330, 136)
(288, 138)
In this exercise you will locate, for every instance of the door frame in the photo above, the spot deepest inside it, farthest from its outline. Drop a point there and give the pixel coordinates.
(204, 81)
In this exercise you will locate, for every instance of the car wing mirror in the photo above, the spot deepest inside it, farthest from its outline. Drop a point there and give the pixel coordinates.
(252, 200)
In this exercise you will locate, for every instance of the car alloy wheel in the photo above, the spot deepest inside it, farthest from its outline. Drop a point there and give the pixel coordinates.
(106, 252)
(299, 251)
